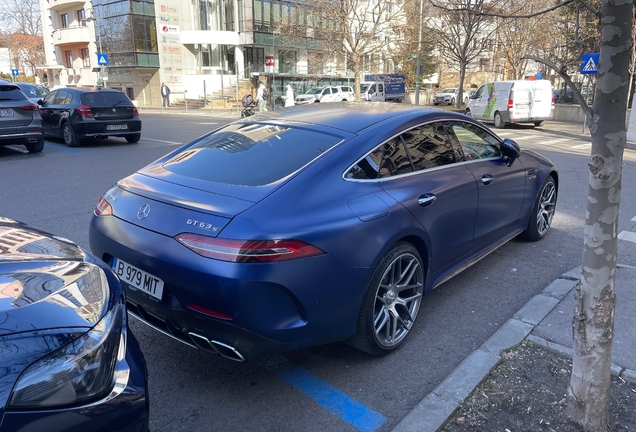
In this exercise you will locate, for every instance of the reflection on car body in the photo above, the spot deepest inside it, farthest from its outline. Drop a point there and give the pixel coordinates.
(65, 348)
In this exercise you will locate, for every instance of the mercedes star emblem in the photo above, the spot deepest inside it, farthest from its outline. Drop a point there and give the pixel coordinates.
(143, 212)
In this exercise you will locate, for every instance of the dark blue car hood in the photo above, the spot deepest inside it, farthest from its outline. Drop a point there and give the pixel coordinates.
(45, 282)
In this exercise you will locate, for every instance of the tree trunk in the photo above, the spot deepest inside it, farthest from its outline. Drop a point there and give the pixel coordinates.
(593, 321)
(460, 93)
(357, 76)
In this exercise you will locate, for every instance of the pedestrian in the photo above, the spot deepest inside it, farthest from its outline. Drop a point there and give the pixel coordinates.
(165, 94)
(289, 97)
(261, 97)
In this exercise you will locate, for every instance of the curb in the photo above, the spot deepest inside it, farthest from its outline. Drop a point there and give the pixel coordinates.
(433, 412)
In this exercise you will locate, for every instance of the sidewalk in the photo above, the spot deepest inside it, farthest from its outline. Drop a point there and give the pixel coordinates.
(546, 321)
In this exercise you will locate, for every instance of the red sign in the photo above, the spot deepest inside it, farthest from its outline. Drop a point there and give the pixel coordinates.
(269, 60)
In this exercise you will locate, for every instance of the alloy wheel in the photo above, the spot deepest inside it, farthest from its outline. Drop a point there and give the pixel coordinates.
(545, 210)
(397, 300)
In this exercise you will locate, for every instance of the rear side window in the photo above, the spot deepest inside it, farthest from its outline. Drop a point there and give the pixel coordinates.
(388, 160)
(429, 146)
(11, 93)
(250, 155)
(101, 99)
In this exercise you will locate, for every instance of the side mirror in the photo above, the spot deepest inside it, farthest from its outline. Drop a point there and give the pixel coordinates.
(510, 150)
(41, 102)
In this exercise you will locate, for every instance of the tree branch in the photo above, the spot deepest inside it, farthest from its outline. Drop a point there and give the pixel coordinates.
(577, 94)
(497, 15)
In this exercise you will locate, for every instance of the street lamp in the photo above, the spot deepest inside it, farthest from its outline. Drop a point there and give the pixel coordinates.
(419, 54)
(93, 16)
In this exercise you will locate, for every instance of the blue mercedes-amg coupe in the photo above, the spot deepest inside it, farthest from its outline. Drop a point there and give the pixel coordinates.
(316, 224)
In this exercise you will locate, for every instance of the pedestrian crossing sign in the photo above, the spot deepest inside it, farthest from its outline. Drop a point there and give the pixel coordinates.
(102, 59)
(589, 63)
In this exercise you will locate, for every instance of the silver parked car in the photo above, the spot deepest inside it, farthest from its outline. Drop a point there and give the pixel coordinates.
(20, 120)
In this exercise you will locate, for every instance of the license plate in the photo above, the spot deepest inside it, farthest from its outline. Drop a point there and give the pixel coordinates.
(6, 113)
(138, 279)
(117, 127)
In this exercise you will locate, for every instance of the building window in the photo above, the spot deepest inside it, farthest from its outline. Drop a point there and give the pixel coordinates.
(68, 59)
(64, 20)
(85, 60)
(81, 17)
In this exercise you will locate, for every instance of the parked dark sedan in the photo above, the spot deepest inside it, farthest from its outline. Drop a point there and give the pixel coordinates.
(20, 121)
(68, 359)
(317, 224)
(75, 113)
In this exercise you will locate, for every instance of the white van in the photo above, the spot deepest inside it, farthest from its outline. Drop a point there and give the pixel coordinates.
(504, 102)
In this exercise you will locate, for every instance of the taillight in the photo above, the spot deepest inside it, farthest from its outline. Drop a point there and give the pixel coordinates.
(103, 208)
(510, 104)
(85, 111)
(552, 102)
(135, 112)
(30, 107)
(247, 251)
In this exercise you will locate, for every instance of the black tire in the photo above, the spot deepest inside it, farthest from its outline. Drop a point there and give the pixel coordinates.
(435, 103)
(133, 139)
(542, 211)
(452, 101)
(374, 303)
(35, 147)
(70, 139)
(539, 123)
(499, 123)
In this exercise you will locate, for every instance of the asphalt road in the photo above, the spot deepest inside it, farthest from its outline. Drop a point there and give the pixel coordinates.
(332, 387)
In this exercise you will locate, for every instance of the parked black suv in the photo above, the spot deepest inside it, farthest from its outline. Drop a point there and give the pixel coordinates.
(20, 121)
(75, 113)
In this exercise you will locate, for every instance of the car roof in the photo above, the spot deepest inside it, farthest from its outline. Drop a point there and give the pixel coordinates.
(89, 89)
(350, 117)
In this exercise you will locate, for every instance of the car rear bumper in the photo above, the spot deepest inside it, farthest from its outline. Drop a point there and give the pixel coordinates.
(96, 129)
(128, 411)
(20, 138)
(260, 308)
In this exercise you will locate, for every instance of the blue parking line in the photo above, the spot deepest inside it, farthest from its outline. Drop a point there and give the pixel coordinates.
(329, 397)
(61, 147)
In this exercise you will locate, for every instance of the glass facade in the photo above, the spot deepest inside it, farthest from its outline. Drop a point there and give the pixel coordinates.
(128, 32)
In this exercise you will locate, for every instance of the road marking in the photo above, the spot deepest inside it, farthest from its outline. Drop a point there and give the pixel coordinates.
(634, 219)
(61, 147)
(582, 146)
(350, 410)
(208, 123)
(627, 235)
(162, 141)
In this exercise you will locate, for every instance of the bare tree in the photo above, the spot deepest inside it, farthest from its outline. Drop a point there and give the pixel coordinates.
(464, 34)
(353, 30)
(23, 16)
(518, 37)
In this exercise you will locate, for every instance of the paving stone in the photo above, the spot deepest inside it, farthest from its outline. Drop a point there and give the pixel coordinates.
(537, 308)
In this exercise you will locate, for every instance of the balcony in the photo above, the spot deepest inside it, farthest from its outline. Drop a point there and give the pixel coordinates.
(64, 4)
(72, 35)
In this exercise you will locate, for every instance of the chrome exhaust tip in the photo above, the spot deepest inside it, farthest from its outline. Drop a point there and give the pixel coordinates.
(32, 140)
(220, 348)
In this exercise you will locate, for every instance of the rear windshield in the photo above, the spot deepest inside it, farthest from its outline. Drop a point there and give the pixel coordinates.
(11, 93)
(105, 99)
(34, 91)
(250, 155)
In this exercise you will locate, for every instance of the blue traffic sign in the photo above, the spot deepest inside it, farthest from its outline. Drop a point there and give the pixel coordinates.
(15, 72)
(102, 59)
(589, 63)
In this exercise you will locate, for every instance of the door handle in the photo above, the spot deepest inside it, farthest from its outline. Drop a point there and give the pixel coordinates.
(487, 179)
(426, 200)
